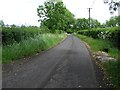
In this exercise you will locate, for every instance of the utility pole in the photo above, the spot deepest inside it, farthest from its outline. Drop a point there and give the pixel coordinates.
(119, 9)
(89, 17)
(119, 14)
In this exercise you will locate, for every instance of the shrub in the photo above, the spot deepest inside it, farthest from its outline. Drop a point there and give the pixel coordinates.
(17, 34)
(112, 34)
(30, 46)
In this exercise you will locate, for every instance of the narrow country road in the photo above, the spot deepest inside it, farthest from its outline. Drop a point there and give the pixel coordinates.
(67, 65)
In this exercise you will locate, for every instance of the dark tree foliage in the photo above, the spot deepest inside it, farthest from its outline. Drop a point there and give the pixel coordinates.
(113, 5)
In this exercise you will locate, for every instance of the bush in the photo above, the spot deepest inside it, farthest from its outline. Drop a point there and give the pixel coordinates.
(17, 34)
(112, 34)
(30, 46)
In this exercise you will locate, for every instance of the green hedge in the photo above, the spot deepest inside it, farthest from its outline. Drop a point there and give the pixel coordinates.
(31, 46)
(112, 34)
(17, 34)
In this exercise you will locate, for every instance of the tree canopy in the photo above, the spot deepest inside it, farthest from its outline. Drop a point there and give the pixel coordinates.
(55, 16)
(113, 21)
(113, 5)
(82, 23)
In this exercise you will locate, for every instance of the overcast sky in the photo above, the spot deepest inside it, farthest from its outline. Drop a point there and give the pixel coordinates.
(25, 11)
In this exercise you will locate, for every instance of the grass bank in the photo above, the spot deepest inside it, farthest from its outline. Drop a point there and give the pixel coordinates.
(112, 68)
(30, 46)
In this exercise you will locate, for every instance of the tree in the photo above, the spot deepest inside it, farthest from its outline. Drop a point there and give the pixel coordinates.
(54, 1)
(95, 23)
(113, 5)
(1, 23)
(113, 21)
(118, 20)
(55, 16)
(81, 24)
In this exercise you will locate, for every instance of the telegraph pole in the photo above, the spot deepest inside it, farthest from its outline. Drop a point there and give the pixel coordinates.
(89, 17)
(119, 14)
(119, 9)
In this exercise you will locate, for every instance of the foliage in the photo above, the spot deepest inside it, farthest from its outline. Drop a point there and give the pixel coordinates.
(1, 23)
(112, 34)
(113, 5)
(113, 21)
(96, 44)
(55, 16)
(30, 46)
(112, 67)
(82, 24)
(16, 34)
(95, 23)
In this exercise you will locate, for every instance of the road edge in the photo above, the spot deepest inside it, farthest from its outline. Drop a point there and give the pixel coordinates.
(100, 76)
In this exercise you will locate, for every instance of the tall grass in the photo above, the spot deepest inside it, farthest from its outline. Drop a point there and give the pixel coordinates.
(100, 45)
(112, 67)
(111, 34)
(113, 70)
(17, 34)
(30, 46)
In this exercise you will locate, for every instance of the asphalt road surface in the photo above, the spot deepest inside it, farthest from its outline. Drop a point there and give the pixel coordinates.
(67, 65)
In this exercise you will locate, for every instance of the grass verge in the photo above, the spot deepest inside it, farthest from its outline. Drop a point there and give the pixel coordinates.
(112, 68)
(30, 46)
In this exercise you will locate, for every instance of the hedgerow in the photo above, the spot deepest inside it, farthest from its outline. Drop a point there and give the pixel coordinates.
(11, 35)
(31, 46)
(112, 34)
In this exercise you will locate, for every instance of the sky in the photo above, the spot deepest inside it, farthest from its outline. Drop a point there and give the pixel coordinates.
(24, 12)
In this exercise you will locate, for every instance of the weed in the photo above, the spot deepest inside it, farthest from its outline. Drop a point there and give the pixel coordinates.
(30, 46)
(112, 67)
